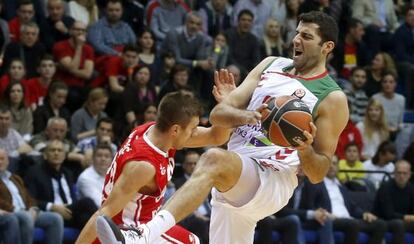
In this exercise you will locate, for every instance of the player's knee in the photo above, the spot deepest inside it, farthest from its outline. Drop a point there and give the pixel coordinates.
(211, 161)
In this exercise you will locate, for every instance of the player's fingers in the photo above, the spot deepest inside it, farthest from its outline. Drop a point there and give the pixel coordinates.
(261, 108)
(216, 77)
(231, 79)
(313, 129)
(309, 137)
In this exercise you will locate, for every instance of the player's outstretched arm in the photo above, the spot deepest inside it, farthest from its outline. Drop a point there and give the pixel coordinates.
(134, 176)
(231, 112)
(332, 118)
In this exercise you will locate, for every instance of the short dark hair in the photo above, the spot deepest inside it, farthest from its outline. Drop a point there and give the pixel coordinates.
(328, 28)
(351, 144)
(113, 1)
(131, 48)
(24, 2)
(177, 108)
(4, 108)
(243, 12)
(353, 23)
(386, 73)
(102, 146)
(178, 68)
(104, 120)
(355, 69)
(56, 85)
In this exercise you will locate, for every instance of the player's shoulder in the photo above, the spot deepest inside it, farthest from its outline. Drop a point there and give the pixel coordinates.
(275, 61)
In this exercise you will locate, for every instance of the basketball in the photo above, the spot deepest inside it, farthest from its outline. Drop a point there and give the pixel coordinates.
(285, 119)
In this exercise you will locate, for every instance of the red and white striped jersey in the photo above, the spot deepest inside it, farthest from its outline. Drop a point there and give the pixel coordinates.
(138, 147)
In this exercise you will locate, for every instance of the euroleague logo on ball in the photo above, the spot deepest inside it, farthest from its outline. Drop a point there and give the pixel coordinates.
(299, 93)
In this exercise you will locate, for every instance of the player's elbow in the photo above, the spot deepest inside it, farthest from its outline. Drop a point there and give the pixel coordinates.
(315, 179)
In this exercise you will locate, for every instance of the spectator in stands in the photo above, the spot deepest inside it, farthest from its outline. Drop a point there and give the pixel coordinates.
(272, 43)
(352, 51)
(25, 14)
(168, 62)
(110, 34)
(27, 48)
(395, 202)
(17, 201)
(383, 160)
(380, 21)
(9, 228)
(36, 88)
(374, 129)
(394, 103)
(163, 16)
(189, 46)
(76, 63)
(85, 11)
(133, 15)
(404, 53)
(178, 80)
(357, 98)
(83, 121)
(290, 21)
(138, 92)
(11, 140)
(57, 129)
(244, 46)
(104, 135)
(198, 222)
(56, 26)
(53, 107)
(351, 162)
(219, 51)
(215, 16)
(347, 215)
(52, 186)
(4, 34)
(90, 183)
(348, 135)
(149, 114)
(381, 64)
(22, 119)
(148, 54)
(16, 73)
(261, 11)
(309, 202)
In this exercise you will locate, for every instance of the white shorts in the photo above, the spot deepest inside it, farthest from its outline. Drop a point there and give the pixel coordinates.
(235, 225)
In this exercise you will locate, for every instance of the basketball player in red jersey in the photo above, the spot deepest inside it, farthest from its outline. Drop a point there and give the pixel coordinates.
(136, 181)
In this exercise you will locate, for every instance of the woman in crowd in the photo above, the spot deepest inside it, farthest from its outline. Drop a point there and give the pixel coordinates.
(382, 161)
(381, 64)
(83, 121)
(15, 73)
(22, 115)
(148, 54)
(178, 80)
(373, 128)
(272, 43)
(219, 51)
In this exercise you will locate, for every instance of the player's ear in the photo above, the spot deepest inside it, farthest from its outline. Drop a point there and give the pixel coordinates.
(175, 129)
(327, 47)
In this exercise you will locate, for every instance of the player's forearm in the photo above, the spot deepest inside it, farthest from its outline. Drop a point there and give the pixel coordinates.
(88, 233)
(224, 115)
(314, 165)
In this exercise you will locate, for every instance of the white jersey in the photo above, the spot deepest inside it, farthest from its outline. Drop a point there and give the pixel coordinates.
(250, 140)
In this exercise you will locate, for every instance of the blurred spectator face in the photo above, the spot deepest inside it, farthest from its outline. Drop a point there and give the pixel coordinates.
(219, 5)
(333, 169)
(190, 162)
(104, 132)
(5, 122)
(78, 29)
(193, 24)
(351, 154)
(293, 5)
(220, 40)
(374, 113)
(378, 62)
(402, 173)
(58, 99)
(409, 18)
(17, 70)
(272, 28)
(98, 105)
(25, 13)
(16, 93)
(245, 23)
(113, 12)
(142, 77)
(47, 69)
(57, 130)
(54, 153)
(357, 33)
(388, 84)
(146, 41)
(359, 78)
(169, 62)
(150, 114)
(387, 157)
(55, 9)
(181, 78)
(130, 59)
(4, 160)
(101, 160)
(29, 36)
(233, 69)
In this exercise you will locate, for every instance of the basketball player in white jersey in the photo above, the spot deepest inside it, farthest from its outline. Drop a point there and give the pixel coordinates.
(256, 178)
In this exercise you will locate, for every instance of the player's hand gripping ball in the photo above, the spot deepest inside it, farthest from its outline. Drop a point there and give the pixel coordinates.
(284, 119)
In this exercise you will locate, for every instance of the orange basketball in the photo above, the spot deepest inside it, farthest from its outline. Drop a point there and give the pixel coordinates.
(284, 119)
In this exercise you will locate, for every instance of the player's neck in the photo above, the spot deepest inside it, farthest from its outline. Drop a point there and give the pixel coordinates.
(159, 139)
(310, 72)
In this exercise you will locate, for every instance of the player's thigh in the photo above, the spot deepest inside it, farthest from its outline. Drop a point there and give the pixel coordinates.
(223, 166)
(178, 234)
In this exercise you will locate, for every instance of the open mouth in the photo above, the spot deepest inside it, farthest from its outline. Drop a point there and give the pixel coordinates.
(297, 53)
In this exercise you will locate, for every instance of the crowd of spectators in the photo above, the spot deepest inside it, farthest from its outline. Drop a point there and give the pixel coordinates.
(76, 76)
